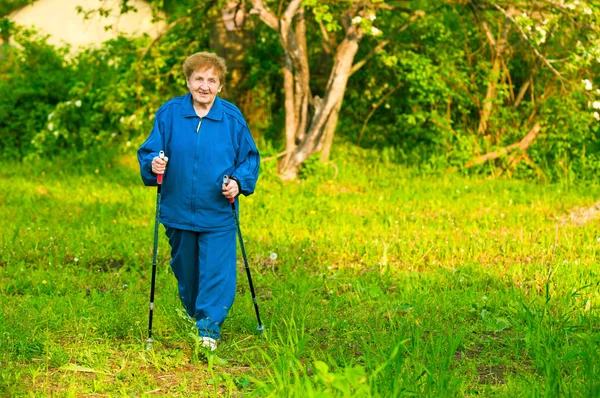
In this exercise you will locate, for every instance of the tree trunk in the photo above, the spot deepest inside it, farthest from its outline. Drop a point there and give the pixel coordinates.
(228, 40)
(320, 132)
(291, 123)
(310, 122)
(499, 48)
(330, 131)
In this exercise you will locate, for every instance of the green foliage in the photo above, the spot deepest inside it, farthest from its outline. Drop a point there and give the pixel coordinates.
(103, 109)
(97, 98)
(314, 168)
(8, 6)
(323, 15)
(421, 94)
(443, 61)
(58, 103)
(6, 31)
(34, 81)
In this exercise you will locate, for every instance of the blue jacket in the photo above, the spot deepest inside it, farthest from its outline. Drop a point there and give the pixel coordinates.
(200, 152)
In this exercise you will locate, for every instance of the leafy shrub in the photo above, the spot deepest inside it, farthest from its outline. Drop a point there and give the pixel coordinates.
(8, 6)
(33, 81)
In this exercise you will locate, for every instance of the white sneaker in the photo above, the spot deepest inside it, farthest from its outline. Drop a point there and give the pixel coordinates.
(209, 343)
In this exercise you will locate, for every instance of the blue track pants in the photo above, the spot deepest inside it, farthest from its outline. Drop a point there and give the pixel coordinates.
(204, 264)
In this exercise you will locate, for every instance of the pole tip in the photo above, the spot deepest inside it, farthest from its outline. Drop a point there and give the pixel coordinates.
(261, 329)
(149, 343)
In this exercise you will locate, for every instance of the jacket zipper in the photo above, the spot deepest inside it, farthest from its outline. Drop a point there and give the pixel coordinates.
(195, 172)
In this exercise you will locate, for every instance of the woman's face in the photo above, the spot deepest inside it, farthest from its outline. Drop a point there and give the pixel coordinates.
(204, 86)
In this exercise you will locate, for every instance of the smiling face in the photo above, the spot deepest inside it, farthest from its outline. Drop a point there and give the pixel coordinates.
(204, 85)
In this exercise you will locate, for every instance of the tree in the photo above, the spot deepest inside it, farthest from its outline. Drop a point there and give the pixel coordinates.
(505, 83)
(310, 120)
(538, 35)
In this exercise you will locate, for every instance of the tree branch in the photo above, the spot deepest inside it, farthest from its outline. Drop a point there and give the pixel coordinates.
(521, 145)
(280, 154)
(526, 38)
(377, 105)
(265, 14)
(152, 43)
(327, 42)
(291, 10)
(417, 14)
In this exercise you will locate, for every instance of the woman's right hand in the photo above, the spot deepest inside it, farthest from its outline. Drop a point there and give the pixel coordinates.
(159, 165)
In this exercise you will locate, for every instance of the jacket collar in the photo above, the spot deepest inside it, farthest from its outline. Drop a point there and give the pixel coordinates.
(215, 112)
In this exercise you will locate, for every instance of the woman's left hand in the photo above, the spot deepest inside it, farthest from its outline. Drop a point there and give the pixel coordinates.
(230, 190)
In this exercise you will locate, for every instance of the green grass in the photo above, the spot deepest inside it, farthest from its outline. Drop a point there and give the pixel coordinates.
(386, 283)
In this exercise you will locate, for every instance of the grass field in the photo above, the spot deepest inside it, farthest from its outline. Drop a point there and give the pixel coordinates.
(387, 282)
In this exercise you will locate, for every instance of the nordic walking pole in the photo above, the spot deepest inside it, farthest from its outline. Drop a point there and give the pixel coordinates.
(260, 327)
(159, 179)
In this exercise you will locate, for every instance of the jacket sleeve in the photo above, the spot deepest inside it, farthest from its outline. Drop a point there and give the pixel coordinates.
(148, 151)
(248, 164)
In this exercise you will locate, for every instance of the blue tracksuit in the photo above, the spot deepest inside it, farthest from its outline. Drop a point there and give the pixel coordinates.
(197, 217)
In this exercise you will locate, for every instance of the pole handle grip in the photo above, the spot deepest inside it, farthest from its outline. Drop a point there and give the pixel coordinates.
(159, 177)
(226, 180)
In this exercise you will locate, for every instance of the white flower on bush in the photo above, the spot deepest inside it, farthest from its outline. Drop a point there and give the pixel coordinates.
(596, 104)
(78, 103)
(372, 17)
(375, 31)
(356, 20)
(56, 133)
(597, 115)
(50, 115)
(273, 256)
(50, 126)
(588, 84)
(542, 34)
(588, 11)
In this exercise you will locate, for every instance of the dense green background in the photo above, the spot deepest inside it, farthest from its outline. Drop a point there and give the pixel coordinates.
(423, 94)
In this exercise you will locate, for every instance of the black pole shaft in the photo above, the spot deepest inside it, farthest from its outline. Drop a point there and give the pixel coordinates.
(254, 300)
(154, 256)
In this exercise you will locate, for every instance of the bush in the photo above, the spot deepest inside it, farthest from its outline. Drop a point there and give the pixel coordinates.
(33, 81)
(52, 101)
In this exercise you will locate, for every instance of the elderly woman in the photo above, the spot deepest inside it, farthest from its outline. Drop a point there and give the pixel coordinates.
(204, 138)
